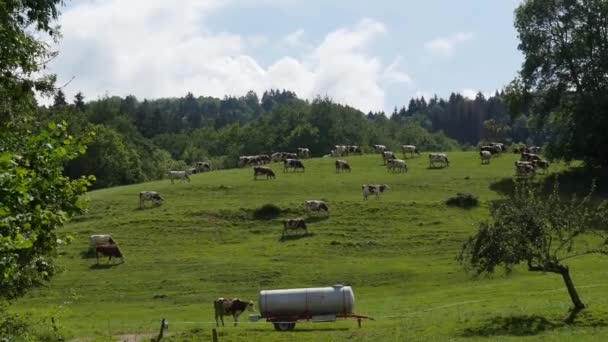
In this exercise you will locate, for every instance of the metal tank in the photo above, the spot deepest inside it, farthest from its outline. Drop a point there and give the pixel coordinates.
(320, 302)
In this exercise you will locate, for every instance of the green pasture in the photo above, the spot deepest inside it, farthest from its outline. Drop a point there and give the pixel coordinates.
(398, 253)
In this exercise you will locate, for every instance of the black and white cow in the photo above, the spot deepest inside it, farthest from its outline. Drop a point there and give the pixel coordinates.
(396, 165)
(387, 155)
(294, 164)
(263, 171)
(485, 156)
(342, 166)
(354, 149)
(201, 166)
(379, 148)
(151, 196)
(180, 175)
(438, 158)
(541, 164)
(294, 224)
(233, 307)
(373, 189)
(525, 156)
(100, 239)
(316, 205)
(411, 149)
(524, 169)
(303, 152)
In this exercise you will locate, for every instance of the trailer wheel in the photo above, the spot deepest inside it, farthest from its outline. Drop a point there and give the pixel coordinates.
(284, 326)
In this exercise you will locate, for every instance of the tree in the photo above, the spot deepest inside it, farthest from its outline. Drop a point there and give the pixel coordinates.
(59, 99)
(540, 231)
(36, 198)
(79, 102)
(563, 77)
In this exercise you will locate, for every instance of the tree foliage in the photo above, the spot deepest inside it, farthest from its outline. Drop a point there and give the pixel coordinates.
(563, 78)
(539, 231)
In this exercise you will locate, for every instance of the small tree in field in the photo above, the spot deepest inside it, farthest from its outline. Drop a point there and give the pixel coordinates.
(540, 231)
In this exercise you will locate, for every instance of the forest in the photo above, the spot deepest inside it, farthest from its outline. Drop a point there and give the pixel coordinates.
(136, 141)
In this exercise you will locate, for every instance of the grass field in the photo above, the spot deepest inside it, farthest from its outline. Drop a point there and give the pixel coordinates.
(398, 253)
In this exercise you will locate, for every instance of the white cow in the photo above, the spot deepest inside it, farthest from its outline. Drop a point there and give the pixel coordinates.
(396, 165)
(485, 156)
(373, 189)
(182, 175)
(316, 205)
(303, 152)
(379, 148)
(440, 158)
(387, 155)
(149, 196)
(411, 149)
(99, 240)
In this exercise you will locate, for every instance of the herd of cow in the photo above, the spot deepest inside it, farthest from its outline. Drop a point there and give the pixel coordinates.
(528, 164)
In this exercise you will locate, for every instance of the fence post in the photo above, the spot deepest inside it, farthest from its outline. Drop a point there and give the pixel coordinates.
(214, 335)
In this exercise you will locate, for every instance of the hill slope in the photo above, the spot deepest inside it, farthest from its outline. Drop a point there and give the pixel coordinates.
(397, 253)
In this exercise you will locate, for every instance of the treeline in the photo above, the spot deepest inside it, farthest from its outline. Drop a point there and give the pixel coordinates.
(137, 140)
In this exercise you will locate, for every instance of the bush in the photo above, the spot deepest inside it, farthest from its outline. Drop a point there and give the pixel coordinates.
(17, 328)
(266, 212)
(463, 200)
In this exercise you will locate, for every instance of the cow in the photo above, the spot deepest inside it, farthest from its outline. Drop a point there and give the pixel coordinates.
(485, 157)
(354, 149)
(263, 171)
(152, 196)
(541, 164)
(181, 175)
(500, 146)
(264, 158)
(340, 150)
(411, 149)
(294, 224)
(316, 205)
(533, 149)
(276, 157)
(373, 189)
(202, 166)
(379, 148)
(440, 158)
(303, 152)
(110, 250)
(525, 156)
(494, 150)
(100, 239)
(294, 164)
(397, 165)
(524, 169)
(387, 155)
(342, 165)
(233, 307)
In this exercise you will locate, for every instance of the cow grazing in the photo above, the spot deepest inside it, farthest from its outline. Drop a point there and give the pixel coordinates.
(387, 155)
(354, 149)
(181, 175)
(533, 149)
(316, 205)
(494, 150)
(411, 149)
(233, 307)
(303, 152)
(340, 150)
(525, 156)
(379, 148)
(294, 224)
(342, 166)
(524, 169)
(541, 164)
(438, 158)
(263, 171)
(152, 196)
(110, 250)
(485, 156)
(396, 165)
(202, 166)
(100, 239)
(373, 189)
(294, 164)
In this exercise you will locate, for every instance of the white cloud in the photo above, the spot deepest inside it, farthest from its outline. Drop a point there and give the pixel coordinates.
(152, 48)
(445, 46)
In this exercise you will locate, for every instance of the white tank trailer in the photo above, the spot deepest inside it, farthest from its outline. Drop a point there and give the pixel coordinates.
(284, 308)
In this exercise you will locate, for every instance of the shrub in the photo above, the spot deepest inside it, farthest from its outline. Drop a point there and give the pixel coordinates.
(463, 200)
(17, 328)
(267, 212)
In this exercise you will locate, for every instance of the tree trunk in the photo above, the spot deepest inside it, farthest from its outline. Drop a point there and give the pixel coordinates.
(578, 304)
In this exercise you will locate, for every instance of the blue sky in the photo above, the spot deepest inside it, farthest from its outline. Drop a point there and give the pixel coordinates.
(373, 55)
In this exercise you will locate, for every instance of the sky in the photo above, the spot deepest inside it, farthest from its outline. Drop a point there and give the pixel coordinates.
(371, 55)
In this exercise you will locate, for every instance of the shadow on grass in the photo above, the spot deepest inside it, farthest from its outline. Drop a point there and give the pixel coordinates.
(513, 326)
(303, 330)
(577, 180)
(294, 237)
(104, 266)
(87, 254)
(436, 167)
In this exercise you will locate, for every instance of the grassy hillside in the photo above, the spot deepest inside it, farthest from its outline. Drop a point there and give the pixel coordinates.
(397, 253)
